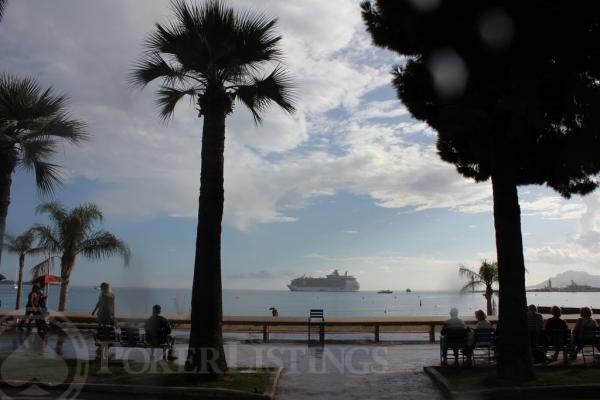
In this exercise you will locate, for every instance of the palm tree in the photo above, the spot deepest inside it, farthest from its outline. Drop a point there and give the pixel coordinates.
(215, 55)
(486, 276)
(32, 122)
(23, 245)
(71, 235)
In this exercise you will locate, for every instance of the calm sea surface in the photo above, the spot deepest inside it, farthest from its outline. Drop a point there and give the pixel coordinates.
(257, 302)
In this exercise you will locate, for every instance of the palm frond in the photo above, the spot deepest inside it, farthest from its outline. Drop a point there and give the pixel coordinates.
(168, 97)
(471, 285)
(54, 209)
(47, 176)
(466, 272)
(255, 41)
(10, 244)
(212, 45)
(275, 88)
(153, 67)
(473, 278)
(488, 271)
(103, 244)
(38, 148)
(64, 127)
(23, 100)
(33, 157)
(47, 238)
(43, 268)
(32, 119)
(87, 214)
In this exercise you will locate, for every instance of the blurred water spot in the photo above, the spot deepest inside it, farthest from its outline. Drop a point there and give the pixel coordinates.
(449, 72)
(426, 5)
(497, 29)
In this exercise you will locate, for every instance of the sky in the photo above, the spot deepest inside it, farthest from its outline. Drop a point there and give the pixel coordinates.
(350, 181)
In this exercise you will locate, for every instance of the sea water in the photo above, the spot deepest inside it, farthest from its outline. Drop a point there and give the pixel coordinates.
(258, 302)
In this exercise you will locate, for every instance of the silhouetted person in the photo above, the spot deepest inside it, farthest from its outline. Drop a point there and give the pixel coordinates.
(32, 308)
(584, 322)
(453, 322)
(105, 306)
(158, 331)
(274, 312)
(556, 331)
(535, 327)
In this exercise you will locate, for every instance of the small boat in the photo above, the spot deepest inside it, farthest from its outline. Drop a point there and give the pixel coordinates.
(15, 286)
(385, 292)
(408, 290)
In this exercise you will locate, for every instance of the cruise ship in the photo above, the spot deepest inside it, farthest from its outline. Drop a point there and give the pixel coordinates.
(333, 282)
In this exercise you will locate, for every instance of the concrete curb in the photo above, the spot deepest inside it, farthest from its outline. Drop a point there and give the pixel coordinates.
(440, 382)
(590, 391)
(273, 382)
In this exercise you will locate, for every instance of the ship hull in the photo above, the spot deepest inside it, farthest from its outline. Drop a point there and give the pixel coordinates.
(320, 289)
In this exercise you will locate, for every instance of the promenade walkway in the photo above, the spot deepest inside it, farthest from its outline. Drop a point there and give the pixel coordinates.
(336, 371)
(351, 371)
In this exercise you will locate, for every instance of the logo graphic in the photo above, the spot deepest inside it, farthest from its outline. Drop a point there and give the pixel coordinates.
(50, 359)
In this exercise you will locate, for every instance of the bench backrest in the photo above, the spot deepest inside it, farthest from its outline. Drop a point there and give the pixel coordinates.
(130, 335)
(456, 336)
(485, 336)
(316, 313)
(557, 337)
(590, 335)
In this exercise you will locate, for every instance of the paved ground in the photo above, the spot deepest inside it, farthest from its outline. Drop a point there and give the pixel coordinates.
(340, 371)
(349, 371)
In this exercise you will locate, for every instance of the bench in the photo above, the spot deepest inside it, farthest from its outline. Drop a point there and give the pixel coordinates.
(558, 340)
(590, 340)
(107, 337)
(455, 338)
(484, 344)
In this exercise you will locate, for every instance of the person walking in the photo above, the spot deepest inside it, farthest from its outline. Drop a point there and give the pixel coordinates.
(32, 308)
(105, 306)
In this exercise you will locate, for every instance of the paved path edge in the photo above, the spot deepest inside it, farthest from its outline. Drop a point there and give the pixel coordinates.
(166, 391)
(589, 391)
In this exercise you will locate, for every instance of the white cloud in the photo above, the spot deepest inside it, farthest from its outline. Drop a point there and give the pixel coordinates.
(553, 207)
(145, 167)
(381, 109)
(579, 251)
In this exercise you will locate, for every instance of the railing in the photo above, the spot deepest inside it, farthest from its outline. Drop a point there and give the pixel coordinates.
(268, 324)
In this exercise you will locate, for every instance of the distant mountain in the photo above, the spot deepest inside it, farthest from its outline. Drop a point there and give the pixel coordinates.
(564, 279)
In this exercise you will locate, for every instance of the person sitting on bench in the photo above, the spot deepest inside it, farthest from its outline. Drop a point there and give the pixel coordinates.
(158, 332)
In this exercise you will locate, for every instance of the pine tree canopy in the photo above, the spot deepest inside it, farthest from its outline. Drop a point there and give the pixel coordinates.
(512, 87)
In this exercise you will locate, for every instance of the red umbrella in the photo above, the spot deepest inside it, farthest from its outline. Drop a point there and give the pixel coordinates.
(45, 279)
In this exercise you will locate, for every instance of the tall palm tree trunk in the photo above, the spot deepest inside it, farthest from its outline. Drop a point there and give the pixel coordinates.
(514, 355)
(7, 167)
(206, 352)
(20, 281)
(489, 293)
(66, 266)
